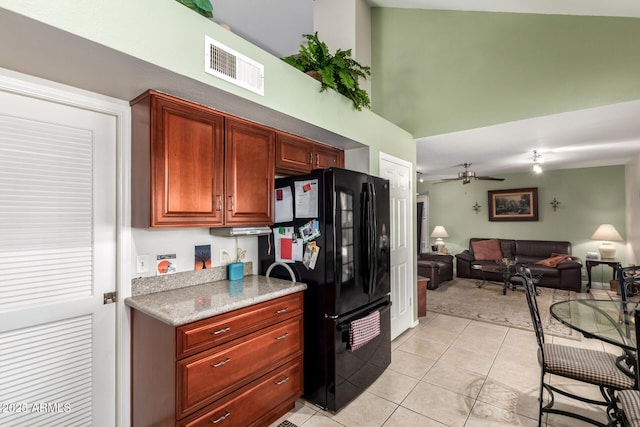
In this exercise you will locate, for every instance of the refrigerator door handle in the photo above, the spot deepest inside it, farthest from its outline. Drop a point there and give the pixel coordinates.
(366, 237)
(373, 268)
(369, 238)
(343, 325)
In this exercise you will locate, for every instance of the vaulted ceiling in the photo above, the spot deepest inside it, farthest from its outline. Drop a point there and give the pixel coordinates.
(602, 134)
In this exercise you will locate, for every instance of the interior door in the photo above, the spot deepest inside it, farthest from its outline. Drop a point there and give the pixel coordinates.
(398, 172)
(58, 259)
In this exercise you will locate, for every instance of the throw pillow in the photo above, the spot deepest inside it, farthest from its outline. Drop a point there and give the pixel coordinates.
(554, 260)
(487, 250)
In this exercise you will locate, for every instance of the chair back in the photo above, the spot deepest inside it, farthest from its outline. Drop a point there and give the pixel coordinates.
(532, 302)
(626, 278)
(636, 316)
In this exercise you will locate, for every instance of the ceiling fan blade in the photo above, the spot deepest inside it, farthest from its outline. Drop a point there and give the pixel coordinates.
(442, 181)
(489, 178)
(467, 175)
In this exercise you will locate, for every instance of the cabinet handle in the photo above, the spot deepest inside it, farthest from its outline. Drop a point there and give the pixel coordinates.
(317, 159)
(224, 362)
(286, 378)
(222, 418)
(219, 202)
(310, 158)
(221, 331)
(232, 205)
(283, 310)
(281, 337)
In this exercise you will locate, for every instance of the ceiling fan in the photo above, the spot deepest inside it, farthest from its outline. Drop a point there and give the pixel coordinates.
(467, 175)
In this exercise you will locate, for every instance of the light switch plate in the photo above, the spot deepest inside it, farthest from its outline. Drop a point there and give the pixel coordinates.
(142, 264)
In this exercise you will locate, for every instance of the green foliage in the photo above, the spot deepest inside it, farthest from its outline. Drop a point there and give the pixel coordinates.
(203, 7)
(339, 71)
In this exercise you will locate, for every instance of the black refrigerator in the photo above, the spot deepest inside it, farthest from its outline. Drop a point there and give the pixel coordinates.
(340, 224)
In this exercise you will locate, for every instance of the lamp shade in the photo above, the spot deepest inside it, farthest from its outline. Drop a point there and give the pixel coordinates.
(607, 233)
(440, 232)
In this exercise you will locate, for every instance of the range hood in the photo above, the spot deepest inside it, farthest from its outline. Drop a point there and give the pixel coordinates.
(240, 231)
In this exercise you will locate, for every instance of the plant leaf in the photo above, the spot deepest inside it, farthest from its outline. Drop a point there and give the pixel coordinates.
(338, 71)
(204, 5)
(191, 4)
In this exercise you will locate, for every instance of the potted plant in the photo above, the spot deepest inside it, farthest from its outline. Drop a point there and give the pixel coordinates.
(337, 71)
(203, 7)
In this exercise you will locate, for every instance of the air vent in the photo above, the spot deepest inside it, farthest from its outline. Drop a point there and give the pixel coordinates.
(229, 65)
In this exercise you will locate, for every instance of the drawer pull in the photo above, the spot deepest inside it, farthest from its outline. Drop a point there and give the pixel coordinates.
(222, 418)
(283, 310)
(283, 336)
(286, 378)
(224, 362)
(221, 331)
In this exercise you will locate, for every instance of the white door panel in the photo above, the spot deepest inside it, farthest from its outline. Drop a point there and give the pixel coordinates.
(398, 172)
(58, 258)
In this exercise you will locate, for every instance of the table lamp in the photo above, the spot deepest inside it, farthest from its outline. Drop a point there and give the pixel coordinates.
(607, 233)
(439, 232)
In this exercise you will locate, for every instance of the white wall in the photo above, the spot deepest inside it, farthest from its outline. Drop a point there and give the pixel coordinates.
(182, 242)
(345, 24)
(276, 26)
(632, 191)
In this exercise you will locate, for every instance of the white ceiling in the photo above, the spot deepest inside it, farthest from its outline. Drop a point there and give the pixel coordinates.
(603, 136)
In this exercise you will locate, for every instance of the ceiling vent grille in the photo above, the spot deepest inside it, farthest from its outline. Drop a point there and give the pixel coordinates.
(229, 65)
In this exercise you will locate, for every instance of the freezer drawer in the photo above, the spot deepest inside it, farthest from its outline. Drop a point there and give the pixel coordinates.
(349, 373)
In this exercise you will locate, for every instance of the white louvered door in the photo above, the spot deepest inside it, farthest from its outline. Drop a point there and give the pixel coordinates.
(57, 259)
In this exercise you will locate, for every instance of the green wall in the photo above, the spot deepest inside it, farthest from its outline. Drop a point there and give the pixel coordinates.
(170, 36)
(588, 197)
(442, 71)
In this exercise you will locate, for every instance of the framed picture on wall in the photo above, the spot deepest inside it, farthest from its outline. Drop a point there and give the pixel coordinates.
(519, 204)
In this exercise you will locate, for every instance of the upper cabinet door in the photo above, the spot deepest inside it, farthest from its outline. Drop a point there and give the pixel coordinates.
(185, 169)
(293, 154)
(249, 173)
(327, 157)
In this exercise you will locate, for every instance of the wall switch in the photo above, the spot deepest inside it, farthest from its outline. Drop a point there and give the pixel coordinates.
(142, 264)
(224, 257)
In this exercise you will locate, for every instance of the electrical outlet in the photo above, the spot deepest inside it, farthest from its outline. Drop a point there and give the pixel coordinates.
(142, 264)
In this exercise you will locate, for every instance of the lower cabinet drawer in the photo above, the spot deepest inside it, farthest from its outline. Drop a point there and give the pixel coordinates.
(207, 377)
(205, 334)
(255, 403)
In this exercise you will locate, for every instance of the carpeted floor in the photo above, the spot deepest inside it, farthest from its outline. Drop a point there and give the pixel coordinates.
(464, 298)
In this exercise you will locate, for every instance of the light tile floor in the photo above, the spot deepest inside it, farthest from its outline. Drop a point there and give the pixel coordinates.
(449, 371)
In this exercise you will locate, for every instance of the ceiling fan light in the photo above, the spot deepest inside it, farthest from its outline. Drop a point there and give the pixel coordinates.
(537, 168)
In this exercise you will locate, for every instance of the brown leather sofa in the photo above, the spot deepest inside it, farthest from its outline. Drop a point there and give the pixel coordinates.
(565, 275)
(436, 267)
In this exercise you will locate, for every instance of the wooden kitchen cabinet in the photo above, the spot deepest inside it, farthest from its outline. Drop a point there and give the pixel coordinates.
(177, 169)
(195, 167)
(327, 157)
(243, 367)
(250, 173)
(299, 155)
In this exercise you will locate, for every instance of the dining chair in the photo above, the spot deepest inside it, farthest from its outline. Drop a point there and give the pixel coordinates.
(628, 414)
(588, 366)
(628, 280)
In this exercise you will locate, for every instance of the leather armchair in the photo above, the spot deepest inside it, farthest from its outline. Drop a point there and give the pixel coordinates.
(437, 267)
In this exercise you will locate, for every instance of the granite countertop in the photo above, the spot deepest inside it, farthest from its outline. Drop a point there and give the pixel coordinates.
(177, 307)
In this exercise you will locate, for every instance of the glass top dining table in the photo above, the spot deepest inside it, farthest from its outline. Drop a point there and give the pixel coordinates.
(607, 320)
